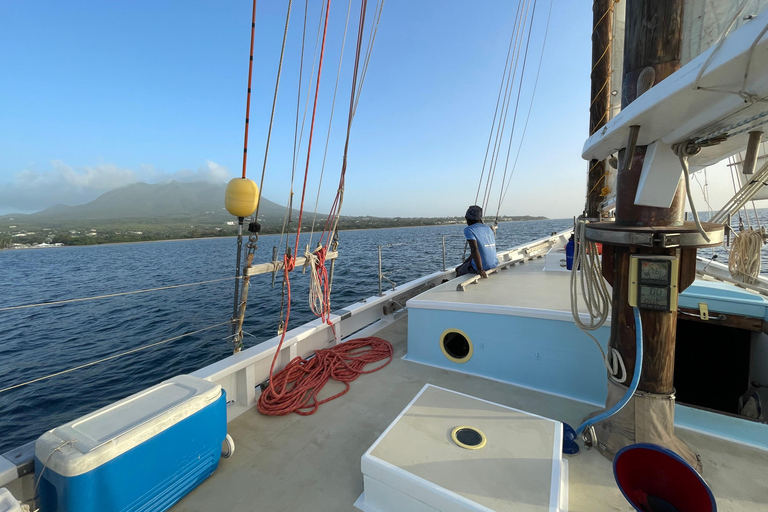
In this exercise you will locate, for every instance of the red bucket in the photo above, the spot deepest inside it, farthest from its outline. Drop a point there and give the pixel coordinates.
(654, 478)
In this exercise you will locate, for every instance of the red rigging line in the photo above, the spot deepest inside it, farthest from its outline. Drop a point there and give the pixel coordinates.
(289, 261)
(352, 100)
(248, 101)
(312, 125)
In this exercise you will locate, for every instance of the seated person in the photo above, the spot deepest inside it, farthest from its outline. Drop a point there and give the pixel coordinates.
(482, 244)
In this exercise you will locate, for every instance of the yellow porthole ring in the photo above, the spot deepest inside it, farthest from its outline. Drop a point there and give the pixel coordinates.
(454, 436)
(465, 354)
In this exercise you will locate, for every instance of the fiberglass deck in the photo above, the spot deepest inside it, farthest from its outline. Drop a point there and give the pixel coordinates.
(297, 463)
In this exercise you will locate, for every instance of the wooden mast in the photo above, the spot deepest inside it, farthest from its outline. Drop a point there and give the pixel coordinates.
(652, 47)
(600, 97)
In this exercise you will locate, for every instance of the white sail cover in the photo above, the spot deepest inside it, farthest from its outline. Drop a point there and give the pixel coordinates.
(704, 23)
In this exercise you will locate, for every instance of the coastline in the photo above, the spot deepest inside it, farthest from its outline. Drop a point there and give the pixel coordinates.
(534, 219)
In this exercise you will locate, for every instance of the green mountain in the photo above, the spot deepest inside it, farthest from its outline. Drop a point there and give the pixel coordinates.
(143, 212)
(171, 200)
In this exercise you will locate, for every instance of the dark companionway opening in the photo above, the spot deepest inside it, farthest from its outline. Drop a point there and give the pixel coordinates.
(711, 365)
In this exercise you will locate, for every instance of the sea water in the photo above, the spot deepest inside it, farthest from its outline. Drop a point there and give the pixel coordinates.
(39, 341)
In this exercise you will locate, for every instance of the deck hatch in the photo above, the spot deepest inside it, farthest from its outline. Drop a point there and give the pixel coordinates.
(468, 437)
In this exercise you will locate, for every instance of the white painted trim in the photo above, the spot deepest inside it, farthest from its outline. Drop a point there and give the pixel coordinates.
(720, 436)
(557, 457)
(510, 383)
(564, 478)
(494, 309)
(426, 484)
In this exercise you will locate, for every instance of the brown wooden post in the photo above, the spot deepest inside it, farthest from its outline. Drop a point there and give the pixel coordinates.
(652, 45)
(600, 97)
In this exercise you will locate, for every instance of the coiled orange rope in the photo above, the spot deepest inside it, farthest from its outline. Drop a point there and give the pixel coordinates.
(295, 388)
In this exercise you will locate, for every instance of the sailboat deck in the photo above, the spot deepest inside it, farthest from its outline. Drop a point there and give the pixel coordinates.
(296, 463)
(525, 285)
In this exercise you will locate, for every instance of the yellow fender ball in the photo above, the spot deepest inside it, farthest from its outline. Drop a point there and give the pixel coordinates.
(241, 197)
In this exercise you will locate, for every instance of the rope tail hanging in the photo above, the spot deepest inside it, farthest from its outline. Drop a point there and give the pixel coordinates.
(286, 396)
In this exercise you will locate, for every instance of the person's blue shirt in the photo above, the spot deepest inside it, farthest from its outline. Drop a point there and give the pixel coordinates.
(486, 244)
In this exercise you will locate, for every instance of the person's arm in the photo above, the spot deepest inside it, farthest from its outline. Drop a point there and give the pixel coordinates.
(477, 258)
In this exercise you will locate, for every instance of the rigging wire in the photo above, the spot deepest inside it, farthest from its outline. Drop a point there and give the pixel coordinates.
(530, 108)
(335, 212)
(492, 174)
(312, 128)
(371, 38)
(298, 136)
(330, 121)
(504, 104)
(289, 206)
(110, 295)
(514, 116)
(496, 110)
(272, 115)
(508, 101)
(114, 356)
(288, 261)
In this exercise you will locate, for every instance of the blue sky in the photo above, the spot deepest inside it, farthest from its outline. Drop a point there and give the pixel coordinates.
(95, 95)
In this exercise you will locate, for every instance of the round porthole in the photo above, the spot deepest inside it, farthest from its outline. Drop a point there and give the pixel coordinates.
(456, 346)
(468, 437)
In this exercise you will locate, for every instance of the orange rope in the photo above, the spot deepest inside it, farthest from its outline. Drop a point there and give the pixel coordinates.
(297, 386)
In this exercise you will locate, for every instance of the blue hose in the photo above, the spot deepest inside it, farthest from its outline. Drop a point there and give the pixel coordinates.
(632, 386)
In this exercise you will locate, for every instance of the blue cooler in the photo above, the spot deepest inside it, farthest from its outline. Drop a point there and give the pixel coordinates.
(143, 453)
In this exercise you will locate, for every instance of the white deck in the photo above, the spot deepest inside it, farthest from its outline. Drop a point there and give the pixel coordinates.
(313, 463)
(517, 469)
(523, 288)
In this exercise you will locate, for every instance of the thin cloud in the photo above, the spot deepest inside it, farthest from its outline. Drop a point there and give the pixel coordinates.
(33, 191)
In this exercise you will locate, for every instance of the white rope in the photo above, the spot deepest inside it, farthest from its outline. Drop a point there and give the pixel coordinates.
(597, 299)
(744, 260)
(683, 150)
(316, 303)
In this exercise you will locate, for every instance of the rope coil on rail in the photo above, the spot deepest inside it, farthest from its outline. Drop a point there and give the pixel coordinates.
(296, 387)
(744, 260)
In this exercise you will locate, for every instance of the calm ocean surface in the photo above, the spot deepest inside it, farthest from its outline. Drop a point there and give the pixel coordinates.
(39, 341)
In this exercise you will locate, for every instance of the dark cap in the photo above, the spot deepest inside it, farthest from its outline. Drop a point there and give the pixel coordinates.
(474, 213)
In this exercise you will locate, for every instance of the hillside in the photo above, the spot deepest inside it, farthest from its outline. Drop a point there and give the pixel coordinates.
(164, 200)
(143, 212)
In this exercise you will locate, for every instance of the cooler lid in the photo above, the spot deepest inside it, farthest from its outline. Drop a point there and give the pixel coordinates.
(7, 502)
(102, 435)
